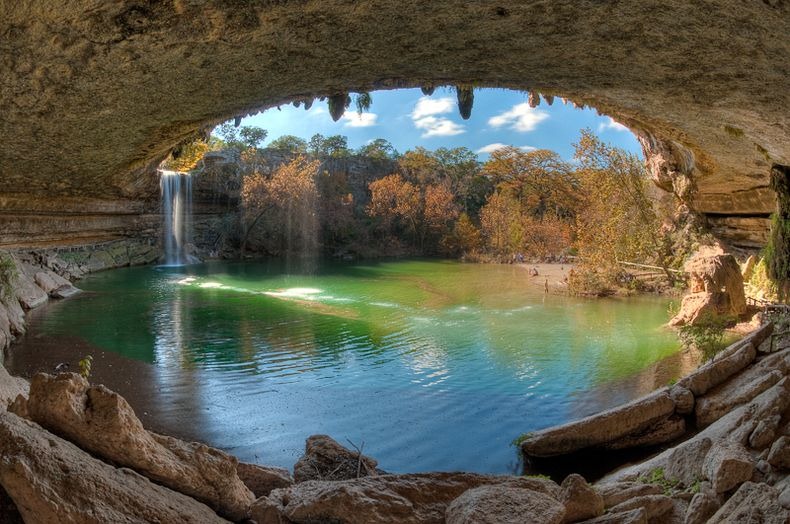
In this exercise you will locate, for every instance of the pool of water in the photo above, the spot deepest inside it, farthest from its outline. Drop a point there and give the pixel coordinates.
(433, 365)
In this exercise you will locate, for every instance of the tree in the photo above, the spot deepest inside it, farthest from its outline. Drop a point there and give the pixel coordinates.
(501, 224)
(331, 146)
(289, 192)
(378, 149)
(289, 143)
(396, 203)
(241, 138)
(616, 221)
(464, 239)
(540, 180)
(439, 211)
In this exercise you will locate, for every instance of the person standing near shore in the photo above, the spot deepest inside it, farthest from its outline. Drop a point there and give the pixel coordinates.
(546, 286)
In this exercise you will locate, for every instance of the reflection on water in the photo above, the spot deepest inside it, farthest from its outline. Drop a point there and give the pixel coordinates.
(434, 365)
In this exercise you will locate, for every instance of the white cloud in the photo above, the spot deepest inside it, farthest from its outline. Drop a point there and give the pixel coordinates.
(424, 117)
(520, 117)
(354, 119)
(316, 111)
(490, 148)
(431, 106)
(611, 124)
(437, 126)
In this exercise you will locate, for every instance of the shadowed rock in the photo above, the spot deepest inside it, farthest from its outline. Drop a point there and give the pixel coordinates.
(261, 480)
(757, 503)
(581, 501)
(102, 422)
(53, 481)
(10, 387)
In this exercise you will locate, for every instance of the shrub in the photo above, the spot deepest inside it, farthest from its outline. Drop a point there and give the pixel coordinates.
(8, 276)
(706, 337)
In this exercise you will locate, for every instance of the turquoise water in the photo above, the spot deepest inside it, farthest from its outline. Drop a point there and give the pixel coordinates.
(433, 365)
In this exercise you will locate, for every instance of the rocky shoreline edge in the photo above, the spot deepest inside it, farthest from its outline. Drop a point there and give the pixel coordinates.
(75, 452)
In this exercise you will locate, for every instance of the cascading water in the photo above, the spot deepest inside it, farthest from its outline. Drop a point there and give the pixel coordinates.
(177, 211)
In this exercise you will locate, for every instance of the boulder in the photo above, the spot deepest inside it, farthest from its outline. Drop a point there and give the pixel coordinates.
(752, 503)
(16, 315)
(52, 480)
(504, 505)
(684, 463)
(702, 506)
(779, 456)
(325, 459)
(716, 289)
(765, 432)
(29, 295)
(602, 428)
(102, 422)
(784, 498)
(727, 465)
(683, 399)
(655, 506)
(717, 371)
(634, 516)
(617, 492)
(261, 480)
(54, 285)
(581, 501)
(10, 388)
(382, 499)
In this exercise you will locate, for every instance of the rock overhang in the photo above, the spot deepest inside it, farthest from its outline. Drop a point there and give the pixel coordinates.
(96, 94)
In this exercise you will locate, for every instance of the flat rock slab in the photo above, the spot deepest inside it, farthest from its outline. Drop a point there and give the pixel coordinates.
(54, 481)
(752, 503)
(714, 373)
(384, 499)
(103, 423)
(602, 428)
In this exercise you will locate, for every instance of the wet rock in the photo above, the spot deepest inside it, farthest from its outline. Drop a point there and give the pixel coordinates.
(752, 503)
(581, 501)
(683, 399)
(779, 456)
(685, 462)
(503, 505)
(52, 480)
(618, 492)
(16, 316)
(261, 480)
(702, 506)
(714, 373)
(102, 422)
(54, 285)
(727, 465)
(601, 428)
(417, 499)
(29, 295)
(656, 506)
(634, 516)
(325, 459)
(10, 388)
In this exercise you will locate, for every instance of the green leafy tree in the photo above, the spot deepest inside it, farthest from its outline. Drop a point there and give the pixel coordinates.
(289, 143)
(378, 149)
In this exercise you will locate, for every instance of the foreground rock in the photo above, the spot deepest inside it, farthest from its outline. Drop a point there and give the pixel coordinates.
(504, 505)
(325, 459)
(10, 387)
(383, 499)
(752, 503)
(102, 422)
(581, 501)
(261, 480)
(52, 481)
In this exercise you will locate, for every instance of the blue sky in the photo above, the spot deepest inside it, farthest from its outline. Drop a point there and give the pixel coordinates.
(409, 119)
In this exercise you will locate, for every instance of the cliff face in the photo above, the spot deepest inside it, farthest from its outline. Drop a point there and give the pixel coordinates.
(95, 93)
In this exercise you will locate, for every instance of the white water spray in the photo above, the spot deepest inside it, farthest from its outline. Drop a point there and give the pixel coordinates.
(177, 211)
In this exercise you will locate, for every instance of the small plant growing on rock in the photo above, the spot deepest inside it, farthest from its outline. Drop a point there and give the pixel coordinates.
(658, 477)
(706, 337)
(8, 276)
(85, 366)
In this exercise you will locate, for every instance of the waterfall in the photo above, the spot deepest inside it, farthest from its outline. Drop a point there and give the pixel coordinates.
(177, 212)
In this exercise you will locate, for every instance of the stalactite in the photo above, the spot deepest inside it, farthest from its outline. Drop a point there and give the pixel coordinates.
(533, 99)
(308, 103)
(297, 103)
(466, 99)
(427, 90)
(237, 121)
(549, 99)
(337, 105)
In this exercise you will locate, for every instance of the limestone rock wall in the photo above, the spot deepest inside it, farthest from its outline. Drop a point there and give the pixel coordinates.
(94, 95)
